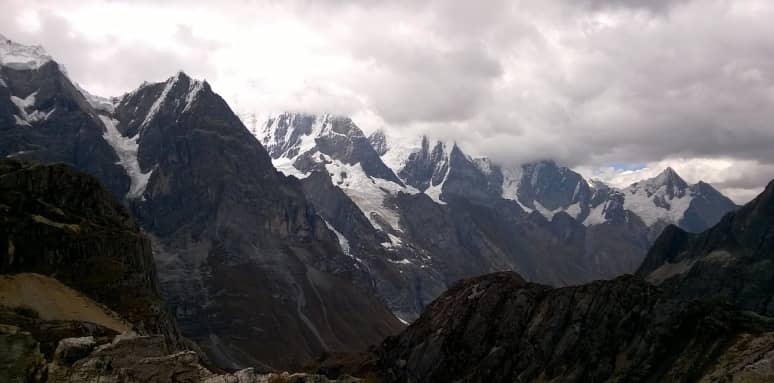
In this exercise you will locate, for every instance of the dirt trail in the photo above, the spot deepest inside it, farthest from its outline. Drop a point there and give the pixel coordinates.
(55, 301)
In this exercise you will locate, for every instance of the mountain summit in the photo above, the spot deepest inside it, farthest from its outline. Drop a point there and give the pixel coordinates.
(21, 57)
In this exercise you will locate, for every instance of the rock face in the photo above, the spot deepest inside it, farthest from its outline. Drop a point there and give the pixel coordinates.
(499, 328)
(731, 262)
(147, 359)
(20, 357)
(59, 222)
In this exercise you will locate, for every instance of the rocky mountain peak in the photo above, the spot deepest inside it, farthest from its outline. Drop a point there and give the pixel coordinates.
(223, 215)
(667, 184)
(669, 178)
(546, 187)
(302, 143)
(428, 166)
(158, 103)
(378, 140)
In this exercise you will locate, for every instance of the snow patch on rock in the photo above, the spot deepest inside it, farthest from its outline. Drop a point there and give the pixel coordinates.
(25, 117)
(371, 195)
(343, 241)
(652, 202)
(193, 93)
(126, 150)
(597, 214)
(160, 100)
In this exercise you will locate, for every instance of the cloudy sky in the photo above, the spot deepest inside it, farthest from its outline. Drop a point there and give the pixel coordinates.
(615, 89)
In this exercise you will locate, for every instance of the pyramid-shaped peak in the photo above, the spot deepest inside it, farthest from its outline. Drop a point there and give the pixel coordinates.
(669, 177)
(182, 77)
(669, 171)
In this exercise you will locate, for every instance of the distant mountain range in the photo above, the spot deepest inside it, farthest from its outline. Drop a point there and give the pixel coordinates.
(308, 239)
(439, 214)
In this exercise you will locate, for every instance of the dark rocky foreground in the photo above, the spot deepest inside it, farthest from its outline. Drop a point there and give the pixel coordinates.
(498, 328)
(61, 223)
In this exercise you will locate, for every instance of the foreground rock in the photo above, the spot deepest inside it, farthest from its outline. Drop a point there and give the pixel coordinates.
(58, 222)
(498, 328)
(126, 359)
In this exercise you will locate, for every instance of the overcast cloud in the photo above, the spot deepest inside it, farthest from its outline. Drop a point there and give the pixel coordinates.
(598, 85)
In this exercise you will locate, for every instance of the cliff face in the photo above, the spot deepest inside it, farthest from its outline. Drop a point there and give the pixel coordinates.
(61, 223)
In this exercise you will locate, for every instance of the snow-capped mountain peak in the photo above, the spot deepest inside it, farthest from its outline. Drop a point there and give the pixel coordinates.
(300, 144)
(668, 179)
(21, 57)
(665, 198)
(440, 169)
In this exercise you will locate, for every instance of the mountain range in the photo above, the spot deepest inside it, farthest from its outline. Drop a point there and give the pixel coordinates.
(313, 237)
(439, 214)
